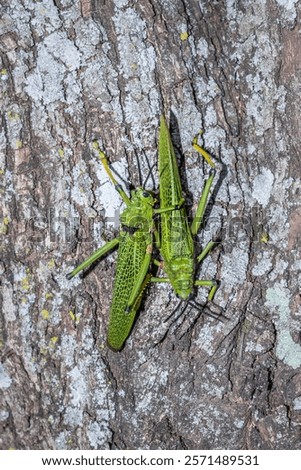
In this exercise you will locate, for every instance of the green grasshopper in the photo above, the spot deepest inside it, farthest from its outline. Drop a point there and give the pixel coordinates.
(135, 242)
(176, 235)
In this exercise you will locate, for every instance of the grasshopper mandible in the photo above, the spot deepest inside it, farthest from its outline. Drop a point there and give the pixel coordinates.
(176, 235)
(135, 244)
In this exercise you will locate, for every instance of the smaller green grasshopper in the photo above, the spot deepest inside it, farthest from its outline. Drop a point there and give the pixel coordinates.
(135, 243)
(176, 235)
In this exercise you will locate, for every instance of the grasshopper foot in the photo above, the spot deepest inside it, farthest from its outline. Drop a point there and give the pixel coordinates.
(180, 205)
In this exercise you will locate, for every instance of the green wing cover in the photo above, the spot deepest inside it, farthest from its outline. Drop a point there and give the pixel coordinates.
(130, 257)
(176, 239)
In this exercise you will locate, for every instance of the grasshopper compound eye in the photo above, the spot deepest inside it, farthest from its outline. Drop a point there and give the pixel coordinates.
(145, 194)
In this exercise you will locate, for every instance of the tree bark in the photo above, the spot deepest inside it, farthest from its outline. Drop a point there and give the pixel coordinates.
(73, 72)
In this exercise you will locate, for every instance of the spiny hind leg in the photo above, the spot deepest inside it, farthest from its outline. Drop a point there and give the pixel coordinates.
(198, 218)
(202, 151)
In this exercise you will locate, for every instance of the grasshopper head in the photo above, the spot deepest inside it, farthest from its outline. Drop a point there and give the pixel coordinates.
(138, 216)
(142, 197)
(146, 197)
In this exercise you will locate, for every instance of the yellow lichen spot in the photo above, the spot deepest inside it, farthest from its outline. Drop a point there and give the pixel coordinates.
(3, 72)
(264, 237)
(61, 153)
(2, 171)
(24, 300)
(48, 296)
(25, 283)
(53, 341)
(184, 36)
(19, 144)
(73, 317)
(51, 263)
(4, 226)
(134, 66)
(45, 314)
(95, 145)
(43, 351)
(13, 116)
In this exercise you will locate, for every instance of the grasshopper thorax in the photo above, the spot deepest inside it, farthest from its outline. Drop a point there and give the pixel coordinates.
(139, 214)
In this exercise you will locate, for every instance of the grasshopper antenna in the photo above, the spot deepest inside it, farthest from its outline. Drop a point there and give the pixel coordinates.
(139, 169)
(150, 174)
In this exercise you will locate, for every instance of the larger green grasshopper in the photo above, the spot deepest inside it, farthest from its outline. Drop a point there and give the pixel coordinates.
(135, 243)
(176, 235)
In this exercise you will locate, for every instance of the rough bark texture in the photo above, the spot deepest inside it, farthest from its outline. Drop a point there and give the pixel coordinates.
(75, 71)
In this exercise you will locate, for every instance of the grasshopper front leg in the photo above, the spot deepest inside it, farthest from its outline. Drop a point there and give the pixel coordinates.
(113, 243)
(103, 158)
